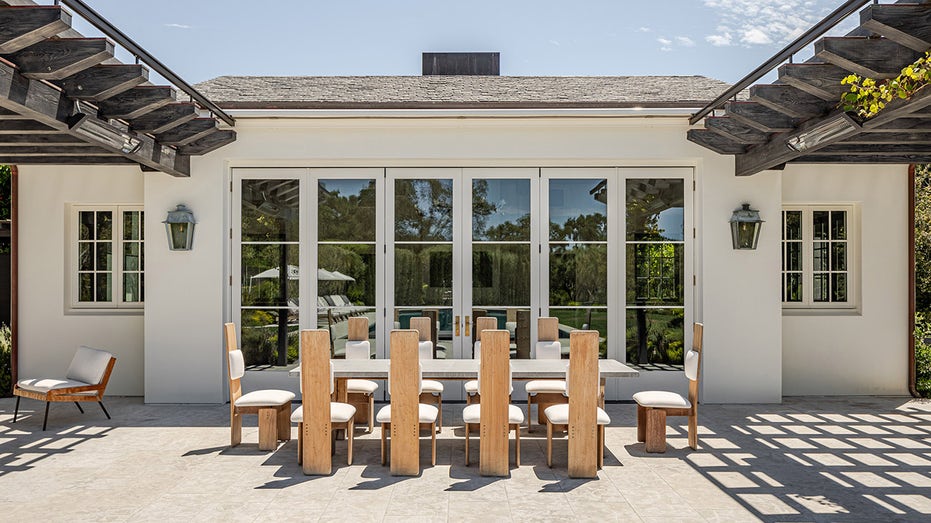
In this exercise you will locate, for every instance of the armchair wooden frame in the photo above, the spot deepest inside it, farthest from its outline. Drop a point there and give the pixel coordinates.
(77, 395)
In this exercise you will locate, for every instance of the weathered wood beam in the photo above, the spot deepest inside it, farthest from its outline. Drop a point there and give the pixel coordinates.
(24, 126)
(874, 149)
(209, 143)
(64, 160)
(164, 118)
(103, 81)
(789, 100)
(734, 130)
(903, 159)
(187, 133)
(715, 142)
(890, 137)
(136, 102)
(22, 26)
(41, 139)
(908, 25)
(52, 150)
(60, 58)
(817, 79)
(872, 57)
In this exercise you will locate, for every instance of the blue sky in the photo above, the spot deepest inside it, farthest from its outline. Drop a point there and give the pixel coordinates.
(201, 39)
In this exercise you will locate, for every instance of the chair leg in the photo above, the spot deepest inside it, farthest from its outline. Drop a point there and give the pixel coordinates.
(693, 431)
(268, 433)
(235, 427)
(641, 423)
(601, 446)
(549, 443)
(78, 405)
(656, 430)
(352, 427)
(371, 413)
(16, 410)
(45, 419)
(517, 445)
(300, 443)
(529, 408)
(284, 422)
(105, 413)
(467, 444)
(433, 444)
(439, 406)
(384, 444)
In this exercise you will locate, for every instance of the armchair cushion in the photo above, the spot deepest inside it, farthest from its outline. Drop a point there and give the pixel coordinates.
(546, 386)
(431, 386)
(88, 365)
(361, 386)
(427, 414)
(43, 385)
(472, 414)
(358, 350)
(265, 398)
(471, 387)
(339, 413)
(691, 364)
(425, 350)
(559, 415)
(661, 399)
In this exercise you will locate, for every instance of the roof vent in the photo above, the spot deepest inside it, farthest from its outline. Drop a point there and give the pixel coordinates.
(462, 64)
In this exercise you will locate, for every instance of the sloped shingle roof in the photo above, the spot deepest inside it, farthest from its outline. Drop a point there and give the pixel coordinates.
(335, 92)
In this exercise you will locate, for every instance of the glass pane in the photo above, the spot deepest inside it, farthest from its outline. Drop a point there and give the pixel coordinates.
(131, 225)
(104, 287)
(839, 256)
(838, 225)
(655, 336)
(131, 288)
(141, 287)
(262, 280)
(104, 256)
(86, 287)
(501, 210)
(270, 336)
(578, 210)
(654, 274)
(141, 215)
(423, 210)
(793, 226)
(820, 224)
(423, 275)
(346, 210)
(820, 256)
(85, 256)
(820, 292)
(131, 256)
(793, 288)
(582, 319)
(346, 274)
(578, 274)
(270, 210)
(839, 287)
(86, 226)
(793, 256)
(500, 275)
(104, 225)
(655, 210)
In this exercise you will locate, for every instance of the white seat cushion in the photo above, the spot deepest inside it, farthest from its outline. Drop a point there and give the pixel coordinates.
(472, 414)
(428, 414)
(431, 386)
(471, 387)
(88, 365)
(265, 398)
(43, 385)
(361, 386)
(661, 399)
(553, 386)
(559, 415)
(425, 350)
(339, 413)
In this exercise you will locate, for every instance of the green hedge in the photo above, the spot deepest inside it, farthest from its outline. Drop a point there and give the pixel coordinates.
(6, 375)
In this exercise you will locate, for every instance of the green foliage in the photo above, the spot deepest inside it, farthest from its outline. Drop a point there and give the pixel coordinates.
(923, 354)
(923, 238)
(6, 367)
(868, 96)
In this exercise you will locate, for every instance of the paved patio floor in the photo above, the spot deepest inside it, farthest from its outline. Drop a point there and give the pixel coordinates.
(809, 459)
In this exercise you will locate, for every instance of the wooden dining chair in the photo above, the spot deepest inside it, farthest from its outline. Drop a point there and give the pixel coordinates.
(481, 325)
(431, 390)
(361, 393)
(654, 406)
(582, 417)
(544, 393)
(272, 406)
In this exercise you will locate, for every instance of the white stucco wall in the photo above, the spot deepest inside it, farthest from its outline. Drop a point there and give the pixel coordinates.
(864, 351)
(48, 334)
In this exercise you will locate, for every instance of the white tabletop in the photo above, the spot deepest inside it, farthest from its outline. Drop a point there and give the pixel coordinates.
(468, 369)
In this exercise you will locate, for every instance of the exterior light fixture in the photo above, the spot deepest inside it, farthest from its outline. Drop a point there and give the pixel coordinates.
(180, 227)
(745, 227)
(102, 133)
(831, 130)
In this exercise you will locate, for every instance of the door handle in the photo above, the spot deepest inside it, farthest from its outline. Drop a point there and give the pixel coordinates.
(456, 325)
(468, 326)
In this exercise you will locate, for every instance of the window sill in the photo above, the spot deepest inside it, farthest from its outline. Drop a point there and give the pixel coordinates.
(135, 311)
(822, 312)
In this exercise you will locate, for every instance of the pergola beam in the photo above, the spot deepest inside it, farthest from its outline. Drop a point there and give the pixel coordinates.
(187, 133)
(164, 118)
(103, 81)
(735, 131)
(759, 117)
(817, 79)
(908, 25)
(789, 100)
(62, 57)
(209, 143)
(716, 142)
(136, 102)
(22, 26)
(877, 58)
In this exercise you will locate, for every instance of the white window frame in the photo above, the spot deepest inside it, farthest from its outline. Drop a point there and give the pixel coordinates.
(117, 303)
(853, 258)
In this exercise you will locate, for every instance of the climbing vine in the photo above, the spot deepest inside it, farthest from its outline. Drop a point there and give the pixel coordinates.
(868, 96)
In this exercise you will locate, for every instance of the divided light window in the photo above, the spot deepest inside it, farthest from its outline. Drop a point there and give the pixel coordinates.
(818, 267)
(107, 249)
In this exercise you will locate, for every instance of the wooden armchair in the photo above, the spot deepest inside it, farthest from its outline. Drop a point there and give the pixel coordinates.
(653, 406)
(545, 392)
(431, 392)
(361, 393)
(85, 380)
(482, 324)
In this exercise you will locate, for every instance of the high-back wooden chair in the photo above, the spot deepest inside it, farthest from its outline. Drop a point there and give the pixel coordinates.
(654, 406)
(431, 390)
(361, 393)
(581, 416)
(272, 406)
(405, 416)
(545, 392)
(318, 418)
(482, 324)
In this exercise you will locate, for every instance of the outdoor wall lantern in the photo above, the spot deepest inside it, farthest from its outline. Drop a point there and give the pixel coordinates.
(745, 227)
(180, 227)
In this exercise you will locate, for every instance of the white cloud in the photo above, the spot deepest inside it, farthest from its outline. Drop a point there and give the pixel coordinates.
(685, 41)
(554, 43)
(665, 44)
(764, 22)
(644, 30)
(178, 26)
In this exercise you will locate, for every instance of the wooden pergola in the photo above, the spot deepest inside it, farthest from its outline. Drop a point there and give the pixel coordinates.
(798, 119)
(65, 99)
